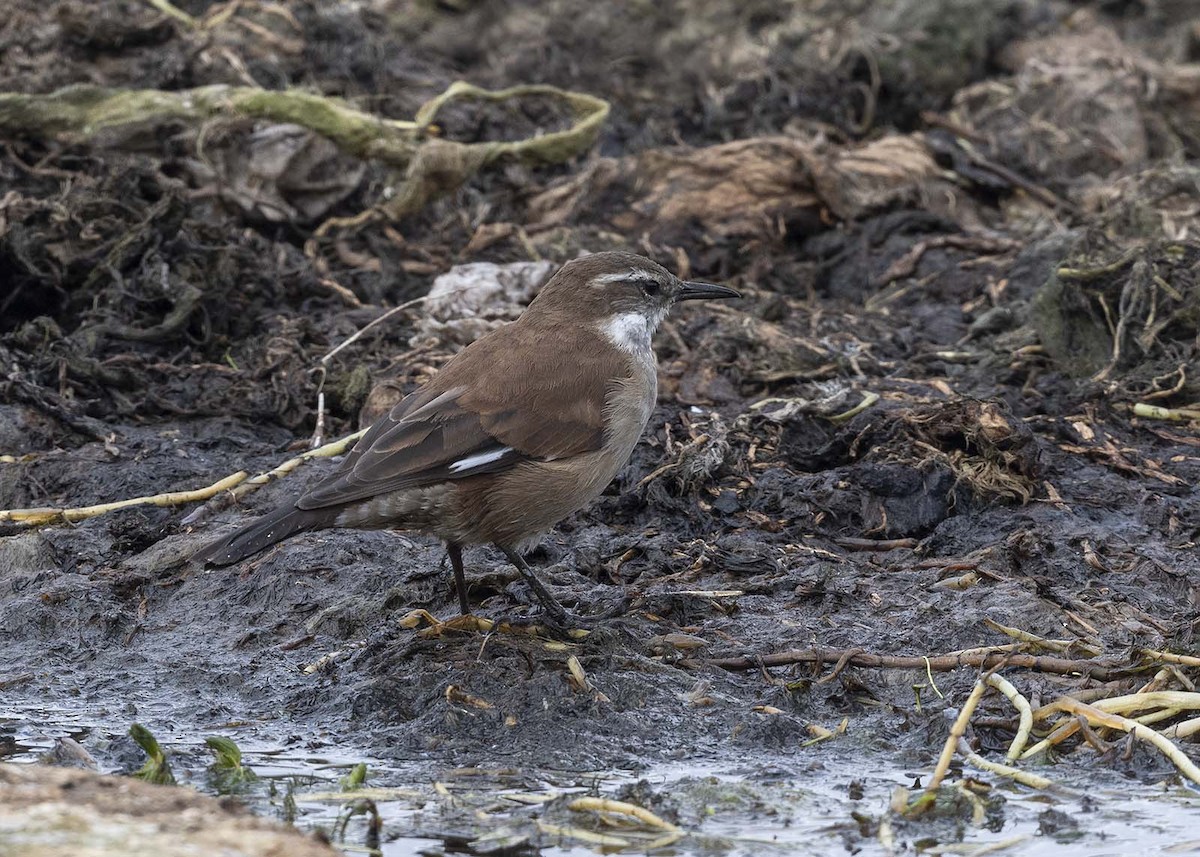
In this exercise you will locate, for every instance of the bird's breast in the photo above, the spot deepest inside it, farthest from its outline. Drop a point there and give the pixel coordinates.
(630, 402)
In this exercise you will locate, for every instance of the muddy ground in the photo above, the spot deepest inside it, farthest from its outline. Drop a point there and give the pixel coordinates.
(967, 237)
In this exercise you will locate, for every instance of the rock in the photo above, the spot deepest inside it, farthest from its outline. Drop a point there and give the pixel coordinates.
(48, 812)
(471, 300)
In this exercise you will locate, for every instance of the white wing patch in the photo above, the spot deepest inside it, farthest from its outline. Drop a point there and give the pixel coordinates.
(479, 459)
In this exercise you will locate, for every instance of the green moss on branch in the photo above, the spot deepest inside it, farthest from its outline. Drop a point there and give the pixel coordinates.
(111, 117)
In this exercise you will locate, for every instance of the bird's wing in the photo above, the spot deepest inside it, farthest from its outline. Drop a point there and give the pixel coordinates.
(512, 396)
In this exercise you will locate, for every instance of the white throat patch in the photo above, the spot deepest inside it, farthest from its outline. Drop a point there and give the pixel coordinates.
(631, 331)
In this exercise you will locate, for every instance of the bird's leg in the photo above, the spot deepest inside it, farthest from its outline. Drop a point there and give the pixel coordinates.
(460, 579)
(557, 616)
(554, 610)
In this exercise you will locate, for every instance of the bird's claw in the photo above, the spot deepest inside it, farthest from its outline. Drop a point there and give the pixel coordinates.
(562, 621)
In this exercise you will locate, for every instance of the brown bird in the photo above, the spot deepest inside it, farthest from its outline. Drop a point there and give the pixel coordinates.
(523, 427)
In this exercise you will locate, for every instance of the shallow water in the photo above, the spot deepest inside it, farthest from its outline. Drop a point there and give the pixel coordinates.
(799, 804)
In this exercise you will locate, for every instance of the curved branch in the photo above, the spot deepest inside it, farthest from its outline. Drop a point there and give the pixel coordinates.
(111, 117)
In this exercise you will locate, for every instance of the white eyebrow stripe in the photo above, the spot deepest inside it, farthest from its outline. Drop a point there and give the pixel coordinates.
(631, 274)
(479, 459)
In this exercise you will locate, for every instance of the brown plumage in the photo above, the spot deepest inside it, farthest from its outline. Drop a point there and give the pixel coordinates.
(523, 427)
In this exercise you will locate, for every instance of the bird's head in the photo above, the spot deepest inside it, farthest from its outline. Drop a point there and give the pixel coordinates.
(625, 295)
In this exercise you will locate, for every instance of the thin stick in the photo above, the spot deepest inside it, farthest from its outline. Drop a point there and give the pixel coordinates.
(318, 438)
(843, 662)
(108, 114)
(1157, 412)
(1170, 657)
(1156, 716)
(1097, 717)
(869, 398)
(956, 732)
(232, 487)
(1185, 729)
(987, 650)
(1181, 699)
(1101, 670)
(354, 337)
(709, 593)
(173, 11)
(1060, 734)
(1061, 646)
(336, 447)
(1159, 681)
(1022, 705)
(1025, 778)
(43, 516)
(620, 807)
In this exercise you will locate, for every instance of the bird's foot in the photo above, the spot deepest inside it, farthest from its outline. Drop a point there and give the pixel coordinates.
(554, 616)
(562, 621)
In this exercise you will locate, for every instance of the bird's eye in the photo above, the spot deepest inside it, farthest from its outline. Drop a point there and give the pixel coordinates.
(650, 287)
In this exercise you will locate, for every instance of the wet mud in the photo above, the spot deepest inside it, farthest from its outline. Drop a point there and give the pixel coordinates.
(967, 238)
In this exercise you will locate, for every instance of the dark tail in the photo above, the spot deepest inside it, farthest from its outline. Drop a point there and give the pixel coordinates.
(271, 528)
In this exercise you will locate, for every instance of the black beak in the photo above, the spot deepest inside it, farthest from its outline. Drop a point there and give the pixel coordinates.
(704, 291)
